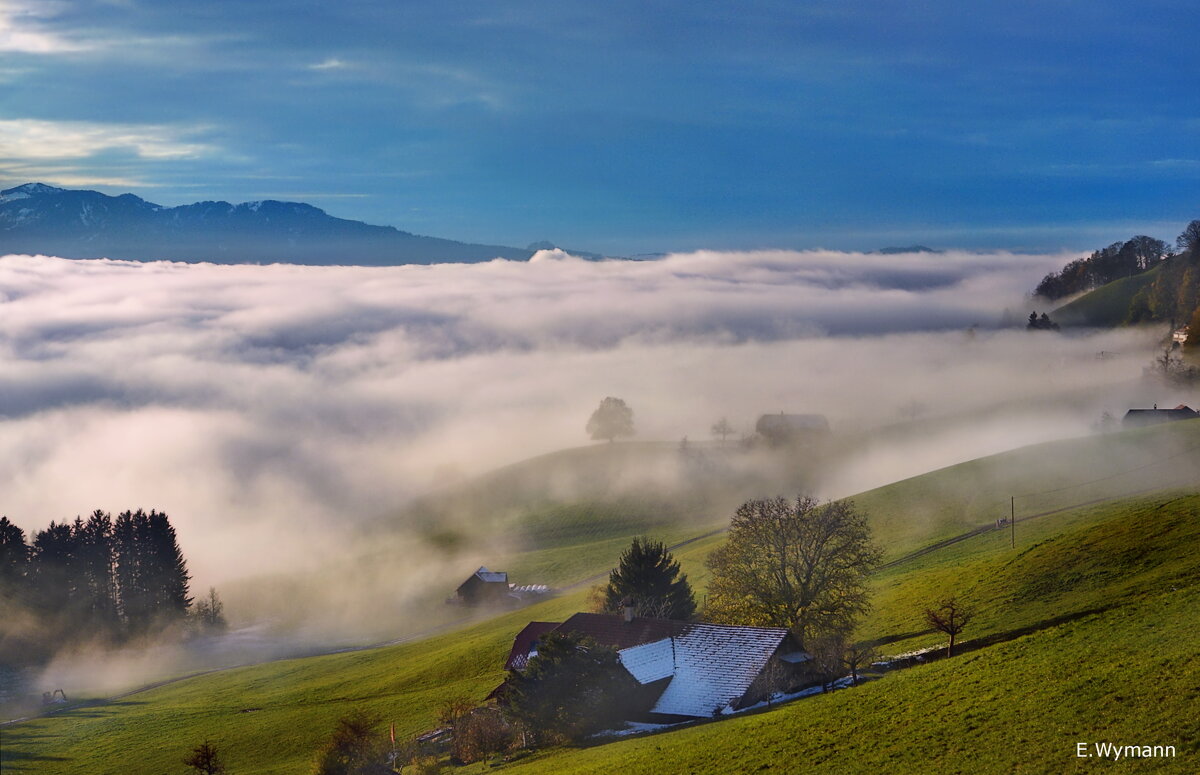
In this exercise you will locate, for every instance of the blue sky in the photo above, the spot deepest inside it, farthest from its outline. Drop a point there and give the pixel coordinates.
(627, 127)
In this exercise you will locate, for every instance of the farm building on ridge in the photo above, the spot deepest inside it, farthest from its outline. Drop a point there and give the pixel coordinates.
(785, 429)
(1138, 418)
(485, 587)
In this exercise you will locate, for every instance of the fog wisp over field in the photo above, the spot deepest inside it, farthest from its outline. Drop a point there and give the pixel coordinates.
(266, 408)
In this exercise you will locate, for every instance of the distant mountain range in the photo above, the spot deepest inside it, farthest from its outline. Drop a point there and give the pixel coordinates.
(41, 219)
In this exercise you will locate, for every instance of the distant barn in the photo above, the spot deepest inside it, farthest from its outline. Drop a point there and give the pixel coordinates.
(483, 586)
(1139, 418)
(783, 429)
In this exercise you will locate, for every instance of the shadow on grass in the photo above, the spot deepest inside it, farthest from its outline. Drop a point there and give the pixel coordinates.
(16, 756)
(1029, 629)
(974, 644)
(85, 709)
(889, 639)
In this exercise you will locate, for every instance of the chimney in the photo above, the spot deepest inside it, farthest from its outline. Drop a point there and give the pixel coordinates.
(627, 605)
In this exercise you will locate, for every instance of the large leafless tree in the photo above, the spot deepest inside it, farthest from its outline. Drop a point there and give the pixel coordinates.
(798, 564)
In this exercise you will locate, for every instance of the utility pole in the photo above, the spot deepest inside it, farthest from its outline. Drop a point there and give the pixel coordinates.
(1012, 520)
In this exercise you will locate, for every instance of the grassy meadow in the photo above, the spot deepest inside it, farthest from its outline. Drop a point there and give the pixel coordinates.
(1084, 633)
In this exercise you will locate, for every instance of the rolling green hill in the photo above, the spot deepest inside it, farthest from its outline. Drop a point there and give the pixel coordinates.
(1108, 305)
(1083, 634)
(1167, 293)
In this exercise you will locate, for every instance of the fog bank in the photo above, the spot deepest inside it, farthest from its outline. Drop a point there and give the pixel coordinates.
(261, 405)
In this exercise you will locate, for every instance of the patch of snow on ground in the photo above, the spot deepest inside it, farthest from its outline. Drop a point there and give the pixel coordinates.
(779, 697)
(917, 654)
(636, 728)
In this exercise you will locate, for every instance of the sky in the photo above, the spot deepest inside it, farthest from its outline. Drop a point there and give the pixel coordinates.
(627, 127)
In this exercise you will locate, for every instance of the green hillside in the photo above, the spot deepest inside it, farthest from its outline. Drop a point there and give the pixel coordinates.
(1169, 292)
(1108, 305)
(1083, 632)
(917, 512)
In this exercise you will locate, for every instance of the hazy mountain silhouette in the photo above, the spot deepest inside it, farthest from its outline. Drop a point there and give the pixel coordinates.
(36, 218)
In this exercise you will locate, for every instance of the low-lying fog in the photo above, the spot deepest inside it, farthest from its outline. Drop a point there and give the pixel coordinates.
(258, 405)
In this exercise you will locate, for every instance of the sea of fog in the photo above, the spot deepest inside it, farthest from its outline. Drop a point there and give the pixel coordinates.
(259, 405)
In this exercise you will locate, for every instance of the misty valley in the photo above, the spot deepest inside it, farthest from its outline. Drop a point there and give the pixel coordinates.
(717, 508)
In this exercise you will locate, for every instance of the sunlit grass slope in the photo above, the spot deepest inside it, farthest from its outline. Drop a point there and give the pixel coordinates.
(1108, 305)
(914, 513)
(1050, 603)
(272, 718)
(1085, 633)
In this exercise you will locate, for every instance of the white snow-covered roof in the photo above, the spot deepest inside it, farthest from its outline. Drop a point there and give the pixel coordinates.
(712, 665)
(650, 662)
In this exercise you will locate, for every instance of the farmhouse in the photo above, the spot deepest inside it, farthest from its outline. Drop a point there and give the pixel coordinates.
(1138, 418)
(689, 669)
(785, 429)
(485, 587)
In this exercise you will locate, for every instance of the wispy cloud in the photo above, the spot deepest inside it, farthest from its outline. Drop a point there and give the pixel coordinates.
(71, 178)
(332, 63)
(37, 139)
(22, 30)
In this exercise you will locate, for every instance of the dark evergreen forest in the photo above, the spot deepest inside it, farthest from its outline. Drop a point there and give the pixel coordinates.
(100, 580)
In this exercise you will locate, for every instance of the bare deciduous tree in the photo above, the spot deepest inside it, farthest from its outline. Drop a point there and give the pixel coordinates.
(722, 428)
(204, 759)
(950, 617)
(827, 650)
(796, 564)
(1190, 238)
(856, 656)
(209, 613)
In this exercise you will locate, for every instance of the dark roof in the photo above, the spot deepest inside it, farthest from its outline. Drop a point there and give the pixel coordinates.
(791, 423)
(612, 629)
(484, 576)
(518, 656)
(1152, 416)
(497, 577)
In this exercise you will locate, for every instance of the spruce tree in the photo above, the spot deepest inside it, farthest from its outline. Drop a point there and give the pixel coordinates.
(96, 600)
(649, 578)
(152, 575)
(133, 600)
(571, 689)
(14, 557)
(54, 572)
(170, 574)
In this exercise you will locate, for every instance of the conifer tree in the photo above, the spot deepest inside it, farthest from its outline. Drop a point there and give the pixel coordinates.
(133, 602)
(52, 574)
(95, 584)
(170, 574)
(649, 578)
(572, 688)
(14, 556)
